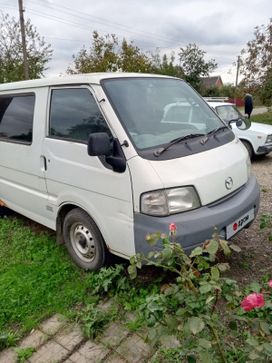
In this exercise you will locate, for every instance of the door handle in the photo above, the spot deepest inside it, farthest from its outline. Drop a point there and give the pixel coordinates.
(43, 163)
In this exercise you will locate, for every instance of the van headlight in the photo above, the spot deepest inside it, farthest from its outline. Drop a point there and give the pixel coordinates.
(169, 201)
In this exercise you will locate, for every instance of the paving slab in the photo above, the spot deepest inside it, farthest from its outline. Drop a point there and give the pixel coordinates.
(52, 325)
(51, 352)
(34, 340)
(90, 352)
(134, 349)
(8, 356)
(106, 305)
(69, 337)
(115, 358)
(113, 335)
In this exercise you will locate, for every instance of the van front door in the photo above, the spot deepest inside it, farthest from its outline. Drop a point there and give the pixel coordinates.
(75, 178)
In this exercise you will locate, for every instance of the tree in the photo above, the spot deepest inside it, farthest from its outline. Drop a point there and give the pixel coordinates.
(11, 54)
(166, 65)
(256, 62)
(107, 55)
(101, 56)
(265, 92)
(194, 65)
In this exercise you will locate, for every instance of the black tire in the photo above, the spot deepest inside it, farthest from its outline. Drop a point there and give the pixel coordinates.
(5, 212)
(83, 240)
(249, 148)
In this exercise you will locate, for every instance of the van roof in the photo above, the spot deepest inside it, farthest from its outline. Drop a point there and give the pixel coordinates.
(91, 78)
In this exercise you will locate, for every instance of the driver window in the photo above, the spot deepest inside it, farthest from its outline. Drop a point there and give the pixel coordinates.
(74, 115)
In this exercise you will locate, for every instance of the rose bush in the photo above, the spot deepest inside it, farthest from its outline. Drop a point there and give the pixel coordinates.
(203, 310)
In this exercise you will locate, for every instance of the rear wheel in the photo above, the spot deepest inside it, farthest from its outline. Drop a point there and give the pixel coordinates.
(4, 212)
(249, 148)
(83, 240)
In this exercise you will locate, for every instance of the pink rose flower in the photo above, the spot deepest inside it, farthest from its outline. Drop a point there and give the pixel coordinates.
(252, 301)
(172, 228)
(270, 283)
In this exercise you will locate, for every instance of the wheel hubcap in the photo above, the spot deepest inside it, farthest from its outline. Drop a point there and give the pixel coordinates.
(82, 242)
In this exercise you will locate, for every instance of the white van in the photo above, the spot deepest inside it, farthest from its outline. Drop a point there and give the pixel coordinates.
(93, 157)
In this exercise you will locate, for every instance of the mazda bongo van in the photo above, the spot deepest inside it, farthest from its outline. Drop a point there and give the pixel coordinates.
(105, 159)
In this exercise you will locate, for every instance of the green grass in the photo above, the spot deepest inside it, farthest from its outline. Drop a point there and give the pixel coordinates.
(265, 118)
(37, 278)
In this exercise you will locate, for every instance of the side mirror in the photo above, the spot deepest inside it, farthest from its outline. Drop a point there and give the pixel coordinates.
(241, 123)
(99, 144)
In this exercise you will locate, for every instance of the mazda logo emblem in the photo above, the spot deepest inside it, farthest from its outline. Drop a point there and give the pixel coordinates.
(229, 183)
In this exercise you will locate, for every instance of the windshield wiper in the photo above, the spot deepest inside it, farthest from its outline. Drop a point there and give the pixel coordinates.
(213, 132)
(175, 141)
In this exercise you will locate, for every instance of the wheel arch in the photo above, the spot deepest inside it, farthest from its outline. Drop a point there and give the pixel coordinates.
(62, 212)
(244, 140)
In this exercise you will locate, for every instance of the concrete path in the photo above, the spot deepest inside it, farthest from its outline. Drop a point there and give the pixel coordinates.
(258, 110)
(57, 341)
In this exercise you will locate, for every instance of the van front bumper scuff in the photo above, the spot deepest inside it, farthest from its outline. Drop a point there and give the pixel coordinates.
(196, 226)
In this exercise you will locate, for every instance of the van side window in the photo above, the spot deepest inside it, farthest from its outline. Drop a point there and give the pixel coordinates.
(16, 117)
(74, 115)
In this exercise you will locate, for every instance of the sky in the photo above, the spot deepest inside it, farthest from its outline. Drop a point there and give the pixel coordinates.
(219, 27)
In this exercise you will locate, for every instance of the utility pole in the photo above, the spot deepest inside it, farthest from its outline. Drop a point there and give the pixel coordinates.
(237, 71)
(22, 25)
(237, 74)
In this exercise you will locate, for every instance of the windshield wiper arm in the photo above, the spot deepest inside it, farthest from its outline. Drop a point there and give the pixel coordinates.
(175, 141)
(213, 132)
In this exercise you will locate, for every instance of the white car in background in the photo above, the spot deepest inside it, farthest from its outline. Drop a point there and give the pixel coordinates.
(257, 138)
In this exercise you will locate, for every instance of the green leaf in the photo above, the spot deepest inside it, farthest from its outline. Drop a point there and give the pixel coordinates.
(225, 247)
(254, 356)
(265, 327)
(255, 287)
(132, 270)
(196, 325)
(224, 266)
(212, 247)
(215, 274)
(252, 341)
(268, 347)
(205, 357)
(235, 248)
(209, 299)
(196, 252)
(204, 343)
(205, 288)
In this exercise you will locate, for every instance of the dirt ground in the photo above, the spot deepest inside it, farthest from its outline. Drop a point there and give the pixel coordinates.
(255, 259)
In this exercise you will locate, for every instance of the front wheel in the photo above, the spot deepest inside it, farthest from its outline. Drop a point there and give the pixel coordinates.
(83, 240)
(249, 148)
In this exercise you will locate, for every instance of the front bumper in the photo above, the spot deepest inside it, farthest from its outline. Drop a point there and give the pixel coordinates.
(265, 149)
(196, 226)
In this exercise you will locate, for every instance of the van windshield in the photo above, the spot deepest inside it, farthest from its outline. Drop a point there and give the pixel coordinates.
(155, 111)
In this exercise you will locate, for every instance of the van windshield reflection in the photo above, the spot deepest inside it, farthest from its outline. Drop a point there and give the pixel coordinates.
(155, 111)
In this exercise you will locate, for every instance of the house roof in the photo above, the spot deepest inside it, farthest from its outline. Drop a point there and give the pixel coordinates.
(210, 82)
